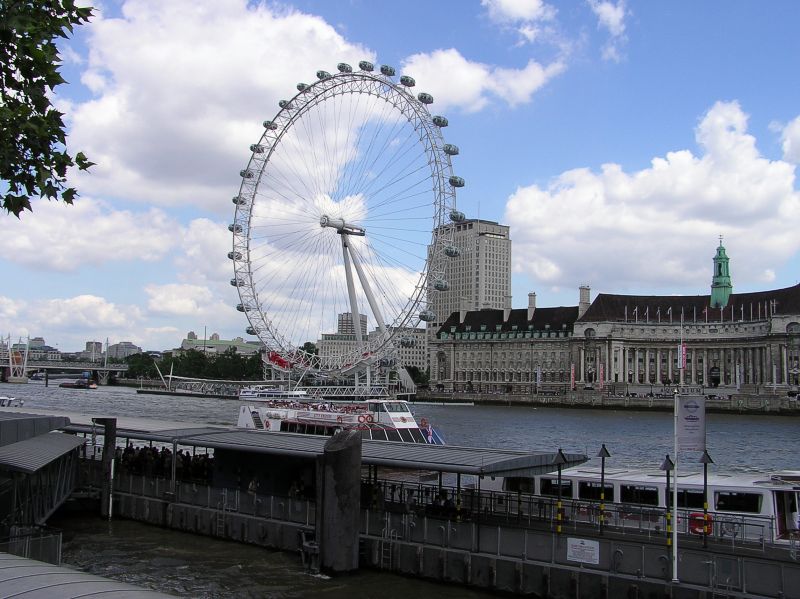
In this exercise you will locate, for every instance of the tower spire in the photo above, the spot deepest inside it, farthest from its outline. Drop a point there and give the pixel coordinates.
(721, 287)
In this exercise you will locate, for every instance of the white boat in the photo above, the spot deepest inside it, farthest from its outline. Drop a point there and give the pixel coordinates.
(10, 402)
(266, 393)
(748, 507)
(378, 419)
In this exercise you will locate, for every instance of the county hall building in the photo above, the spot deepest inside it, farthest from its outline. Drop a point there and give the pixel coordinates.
(745, 342)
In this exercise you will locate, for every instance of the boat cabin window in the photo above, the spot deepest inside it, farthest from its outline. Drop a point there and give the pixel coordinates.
(688, 498)
(519, 484)
(550, 487)
(731, 501)
(638, 494)
(588, 489)
(396, 406)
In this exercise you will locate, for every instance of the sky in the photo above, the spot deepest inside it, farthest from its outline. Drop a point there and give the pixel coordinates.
(618, 139)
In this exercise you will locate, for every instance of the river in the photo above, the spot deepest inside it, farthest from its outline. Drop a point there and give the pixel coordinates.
(190, 566)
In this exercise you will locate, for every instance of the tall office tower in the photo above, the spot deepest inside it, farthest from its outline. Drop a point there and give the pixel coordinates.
(480, 276)
(345, 324)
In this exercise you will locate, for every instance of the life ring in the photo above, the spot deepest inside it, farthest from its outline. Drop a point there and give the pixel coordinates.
(361, 419)
(697, 523)
(423, 423)
(339, 419)
(266, 425)
(370, 418)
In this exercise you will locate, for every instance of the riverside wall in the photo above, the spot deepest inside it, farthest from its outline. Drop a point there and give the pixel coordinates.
(742, 403)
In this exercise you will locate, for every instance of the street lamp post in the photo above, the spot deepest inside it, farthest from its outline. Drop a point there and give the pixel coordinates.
(705, 460)
(603, 454)
(667, 465)
(559, 461)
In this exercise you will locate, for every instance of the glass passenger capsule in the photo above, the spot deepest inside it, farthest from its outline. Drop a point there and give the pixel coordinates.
(321, 75)
(239, 201)
(456, 216)
(271, 125)
(452, 251)
(237, 282)
(407, 81)
(235, 228)
(450, 149)
(246, 174)
(425, 98)
(408, 342)
(234, 255)
(243, 308)
(365, 65)
(387, 70)
(250, 331)
(257, 148)
(301, 87)
(456, 181)
(440, 121)
(427, 315)
(441, 285)
(344, 67)
(286, 104)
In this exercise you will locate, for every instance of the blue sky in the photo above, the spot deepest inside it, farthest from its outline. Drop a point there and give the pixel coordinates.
(617, 139)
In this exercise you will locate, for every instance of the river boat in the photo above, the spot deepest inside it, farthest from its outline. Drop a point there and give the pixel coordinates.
(747, 507)
(267, 393)
(10, 402)
(377, 419)
(79, 384)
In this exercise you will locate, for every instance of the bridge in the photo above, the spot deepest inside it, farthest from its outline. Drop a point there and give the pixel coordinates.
(99, 372)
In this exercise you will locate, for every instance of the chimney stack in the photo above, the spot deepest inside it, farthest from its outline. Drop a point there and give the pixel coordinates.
(531, 305)
(583, 299)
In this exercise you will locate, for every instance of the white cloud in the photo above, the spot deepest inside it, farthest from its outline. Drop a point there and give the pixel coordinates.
(455, 81)
(611, 17)
(790, 137)
(59, 237)
(505, 11)
(655, 222)
(180, 299)
(181, 89)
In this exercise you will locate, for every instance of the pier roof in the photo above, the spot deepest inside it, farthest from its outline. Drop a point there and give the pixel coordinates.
(32, 454)
(440, 458)
(24, 577)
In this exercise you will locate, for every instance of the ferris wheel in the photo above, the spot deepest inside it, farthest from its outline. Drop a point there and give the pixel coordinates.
(343, 216)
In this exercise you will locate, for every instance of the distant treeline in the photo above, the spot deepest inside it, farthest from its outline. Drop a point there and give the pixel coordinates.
(229, 365)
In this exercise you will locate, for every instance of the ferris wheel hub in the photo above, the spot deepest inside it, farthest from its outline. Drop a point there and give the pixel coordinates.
(342, 227)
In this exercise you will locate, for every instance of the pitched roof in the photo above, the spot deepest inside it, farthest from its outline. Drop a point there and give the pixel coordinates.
(613, 307)
(554, 319)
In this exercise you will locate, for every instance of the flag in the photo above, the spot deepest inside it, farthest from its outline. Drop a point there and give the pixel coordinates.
(705, 311)
(658, 313)
(636, 314)
(647, 314)
(669, 311)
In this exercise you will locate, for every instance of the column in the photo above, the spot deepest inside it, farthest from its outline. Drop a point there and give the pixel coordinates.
(705, 367)
(647, 365)
(623, 365)
(658, 366)
(669, 366)
(784, 365)
(582, 361)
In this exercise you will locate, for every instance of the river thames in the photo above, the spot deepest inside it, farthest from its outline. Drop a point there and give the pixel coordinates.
(191, 566)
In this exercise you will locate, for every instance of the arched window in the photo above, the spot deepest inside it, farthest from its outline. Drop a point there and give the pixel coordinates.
(590, 332)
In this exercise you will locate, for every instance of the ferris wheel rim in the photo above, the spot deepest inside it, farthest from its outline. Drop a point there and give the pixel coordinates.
(443, 201)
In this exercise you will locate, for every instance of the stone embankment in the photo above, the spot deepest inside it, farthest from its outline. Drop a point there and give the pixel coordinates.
(595, 400)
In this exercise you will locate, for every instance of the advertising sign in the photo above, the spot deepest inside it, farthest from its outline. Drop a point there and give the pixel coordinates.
(691, 423)
(583, 551)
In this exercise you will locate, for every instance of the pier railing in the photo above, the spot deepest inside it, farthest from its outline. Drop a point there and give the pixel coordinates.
(525, 510)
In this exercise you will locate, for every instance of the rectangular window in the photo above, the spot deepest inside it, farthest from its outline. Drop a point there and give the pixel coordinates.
(591, 490)
(688, 498)
(731, 501)
(639, 494)
(550, 487)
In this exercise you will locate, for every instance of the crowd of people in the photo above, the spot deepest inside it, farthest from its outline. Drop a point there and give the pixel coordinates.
(152, 461)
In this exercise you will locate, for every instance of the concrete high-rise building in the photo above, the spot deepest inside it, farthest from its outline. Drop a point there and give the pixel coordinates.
(480, 276)
(345, 325)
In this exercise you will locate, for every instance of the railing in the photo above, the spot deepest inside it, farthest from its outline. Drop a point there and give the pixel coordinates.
(523, 509)
(41, 544)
